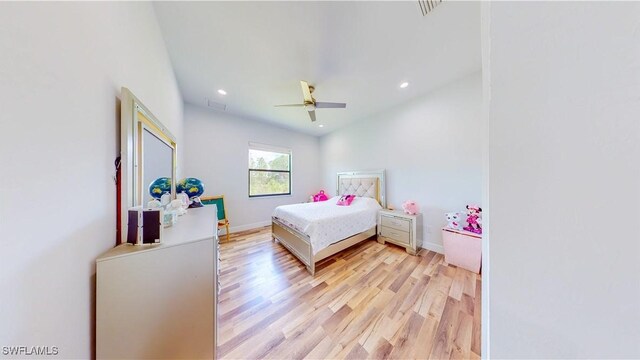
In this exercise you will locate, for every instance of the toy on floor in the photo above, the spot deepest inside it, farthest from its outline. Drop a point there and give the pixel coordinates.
(410, 207)
(474, 219)
(454, 220)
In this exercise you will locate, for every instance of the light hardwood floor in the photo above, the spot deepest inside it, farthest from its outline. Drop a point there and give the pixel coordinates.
(369, 301)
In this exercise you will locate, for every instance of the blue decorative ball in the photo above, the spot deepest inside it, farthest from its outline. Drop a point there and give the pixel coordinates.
(160, 186)
(190, 186)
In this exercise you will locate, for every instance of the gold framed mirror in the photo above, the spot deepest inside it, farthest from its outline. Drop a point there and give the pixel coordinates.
(148, 152)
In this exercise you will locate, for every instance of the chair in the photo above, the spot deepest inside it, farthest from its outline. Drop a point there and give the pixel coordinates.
(218, 200)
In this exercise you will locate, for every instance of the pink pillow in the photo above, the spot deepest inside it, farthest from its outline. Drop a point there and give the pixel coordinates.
(345, 200)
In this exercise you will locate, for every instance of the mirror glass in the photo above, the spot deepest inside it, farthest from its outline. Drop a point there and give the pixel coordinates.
(157, 161)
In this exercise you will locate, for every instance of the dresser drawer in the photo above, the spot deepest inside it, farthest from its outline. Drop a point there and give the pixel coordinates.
(395, 235)
(395, 223)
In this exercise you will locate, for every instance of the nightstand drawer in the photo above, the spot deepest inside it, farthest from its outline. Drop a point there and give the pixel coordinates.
(396, 223)
(394, 234)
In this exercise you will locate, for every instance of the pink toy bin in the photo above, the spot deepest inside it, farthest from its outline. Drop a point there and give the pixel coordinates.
(463, 249)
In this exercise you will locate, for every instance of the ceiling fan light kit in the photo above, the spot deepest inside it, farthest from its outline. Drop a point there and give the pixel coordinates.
(310, 104)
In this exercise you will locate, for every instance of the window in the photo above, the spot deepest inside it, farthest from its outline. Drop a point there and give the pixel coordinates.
(269, 170)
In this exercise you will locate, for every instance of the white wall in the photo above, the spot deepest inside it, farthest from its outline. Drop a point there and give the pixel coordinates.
(61, 69)
(564, 173)
(430, 148)
(216, 151)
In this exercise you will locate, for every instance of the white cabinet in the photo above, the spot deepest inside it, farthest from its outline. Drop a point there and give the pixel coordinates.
(401, 229)
(159, 301)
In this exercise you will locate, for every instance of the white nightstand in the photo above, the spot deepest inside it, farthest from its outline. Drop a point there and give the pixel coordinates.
(401, 229)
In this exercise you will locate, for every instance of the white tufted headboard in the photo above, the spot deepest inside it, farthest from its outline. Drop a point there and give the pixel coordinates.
(363, 183)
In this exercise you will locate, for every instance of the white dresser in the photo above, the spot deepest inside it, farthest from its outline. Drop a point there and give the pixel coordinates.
(401, 229)
(159, 301)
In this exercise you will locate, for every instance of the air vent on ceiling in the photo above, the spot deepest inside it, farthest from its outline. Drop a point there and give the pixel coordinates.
(426, 6)
(216, 105)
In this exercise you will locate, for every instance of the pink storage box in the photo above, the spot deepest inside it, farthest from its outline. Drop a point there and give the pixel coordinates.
(463, 249)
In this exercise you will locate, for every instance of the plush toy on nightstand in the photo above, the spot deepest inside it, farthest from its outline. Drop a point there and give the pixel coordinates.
(474, 219)
(454, 220)
(410, 207)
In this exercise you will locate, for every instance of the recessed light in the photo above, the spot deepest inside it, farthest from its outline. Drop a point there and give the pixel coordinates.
(320, 125)
(222, 92)
(404, 85)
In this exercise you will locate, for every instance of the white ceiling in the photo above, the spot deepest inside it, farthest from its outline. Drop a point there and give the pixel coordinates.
(353, 52)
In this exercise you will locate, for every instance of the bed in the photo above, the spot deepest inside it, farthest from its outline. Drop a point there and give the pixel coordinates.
(315, 231)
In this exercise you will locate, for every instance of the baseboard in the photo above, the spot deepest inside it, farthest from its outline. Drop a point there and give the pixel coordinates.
(234, 229)
(433, 247)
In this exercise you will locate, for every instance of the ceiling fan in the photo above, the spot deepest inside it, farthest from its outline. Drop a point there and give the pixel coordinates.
(310, 104)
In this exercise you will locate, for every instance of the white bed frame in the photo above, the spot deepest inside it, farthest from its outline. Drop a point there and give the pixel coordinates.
(361, 183)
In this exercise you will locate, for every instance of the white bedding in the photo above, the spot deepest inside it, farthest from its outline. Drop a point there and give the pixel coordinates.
(326, 223)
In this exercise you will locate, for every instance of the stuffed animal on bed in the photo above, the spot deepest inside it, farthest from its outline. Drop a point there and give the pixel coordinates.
(410, 207)
(345, 200)
(474, 219)
(321, 196)
(454, 220)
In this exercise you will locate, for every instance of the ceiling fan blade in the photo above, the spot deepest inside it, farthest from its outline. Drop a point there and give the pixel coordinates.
(306, 92)
(312, 115)
(289, 105)
(330, 105)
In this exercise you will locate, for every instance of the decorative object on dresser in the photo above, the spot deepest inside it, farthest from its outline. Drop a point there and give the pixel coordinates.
(165, 199)
(184, 200)
(159, 187)
(144, 226)
(194, 188)
(462, 248)
(155, 203)
(160, 191)
(161, 200)
(218, 200)
(401, 229)
(177, 206)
